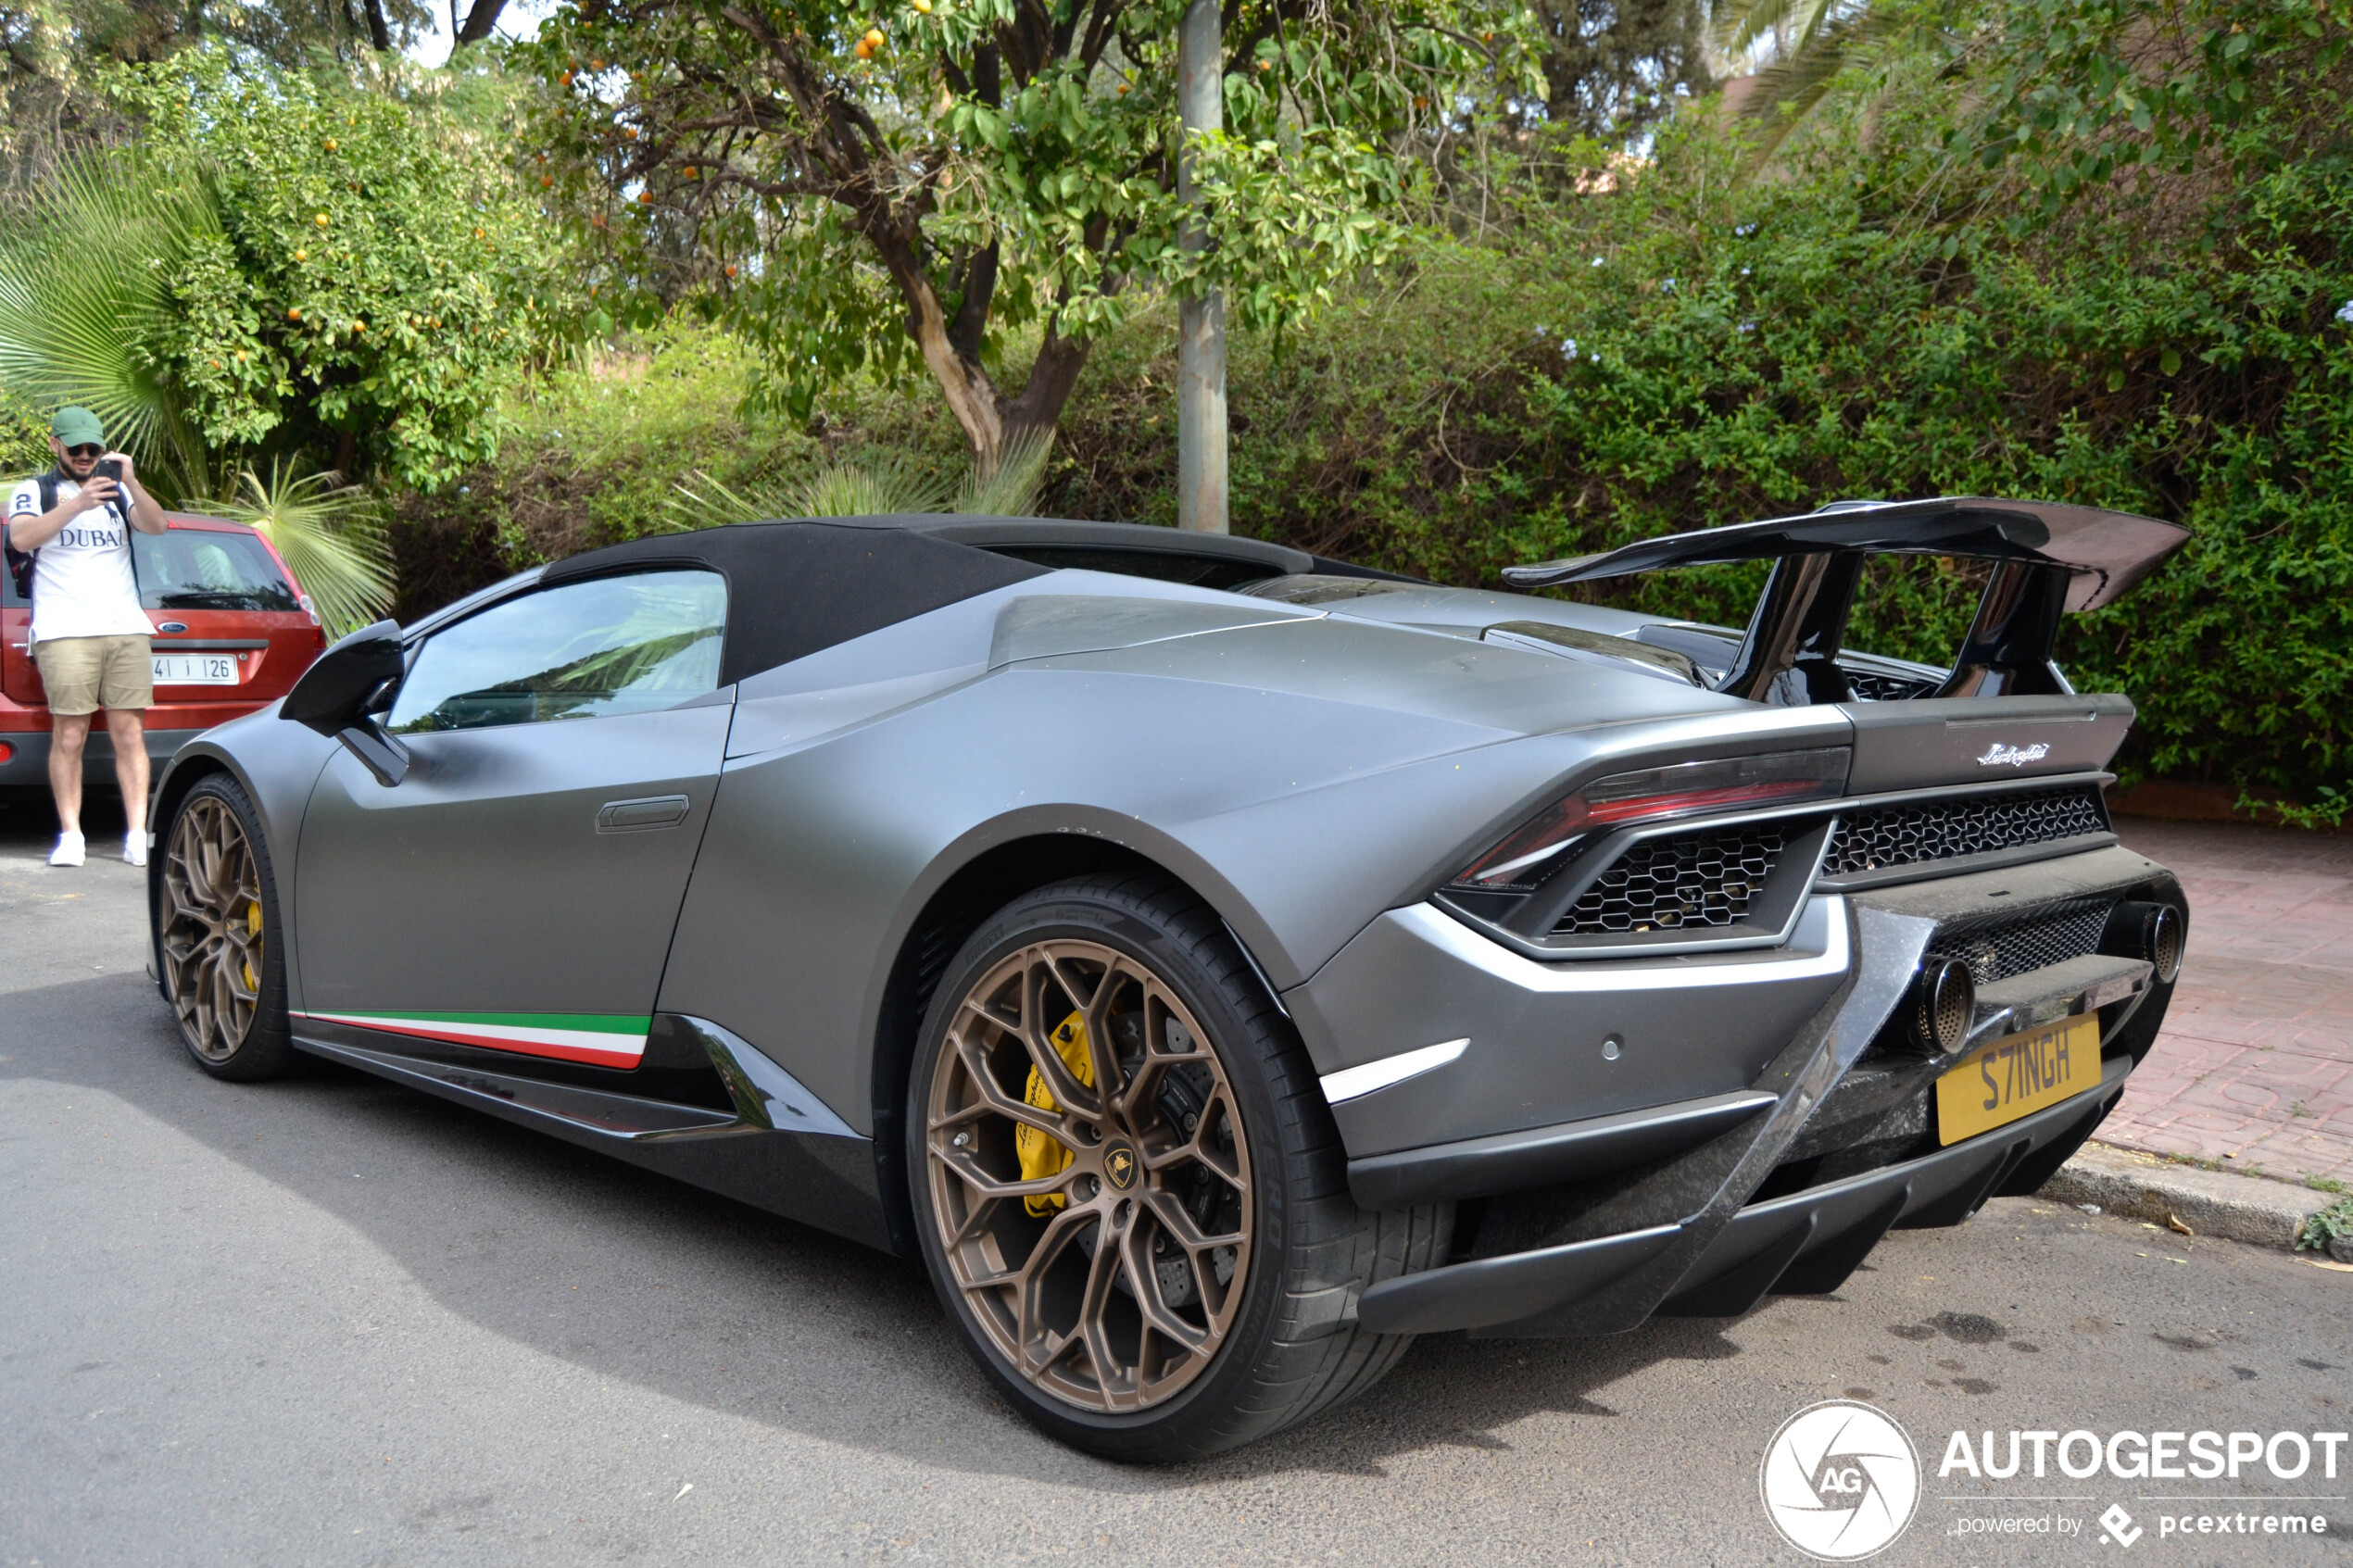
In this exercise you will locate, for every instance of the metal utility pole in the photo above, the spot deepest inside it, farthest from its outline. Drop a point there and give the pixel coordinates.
(1200, 324)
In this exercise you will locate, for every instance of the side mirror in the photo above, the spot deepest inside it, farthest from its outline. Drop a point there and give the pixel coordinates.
(336, 695)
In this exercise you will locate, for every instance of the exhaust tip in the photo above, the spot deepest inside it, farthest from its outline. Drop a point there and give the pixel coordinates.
(2151, 931)
(1943, 1006)
(2161, 941)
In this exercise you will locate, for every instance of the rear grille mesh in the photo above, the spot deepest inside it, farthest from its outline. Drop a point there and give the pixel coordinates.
(1687, 882)
(1940, 830)
(1995, 949)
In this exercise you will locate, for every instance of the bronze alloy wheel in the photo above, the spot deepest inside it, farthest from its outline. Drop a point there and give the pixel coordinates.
(213, 951)
(1088, 1175)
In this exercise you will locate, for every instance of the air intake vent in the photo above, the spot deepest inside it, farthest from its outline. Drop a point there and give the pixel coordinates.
(1941, 829)
(2054, 933)
(1687, 882)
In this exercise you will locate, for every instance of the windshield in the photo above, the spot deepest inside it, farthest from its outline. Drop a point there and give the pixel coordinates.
(199, 569)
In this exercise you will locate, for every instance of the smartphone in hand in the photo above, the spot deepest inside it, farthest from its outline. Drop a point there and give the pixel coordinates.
(110, 467)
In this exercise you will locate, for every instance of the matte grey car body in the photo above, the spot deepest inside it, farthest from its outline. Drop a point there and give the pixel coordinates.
(763, 880)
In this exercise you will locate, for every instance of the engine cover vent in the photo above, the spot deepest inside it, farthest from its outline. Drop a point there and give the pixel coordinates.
(1944, 829)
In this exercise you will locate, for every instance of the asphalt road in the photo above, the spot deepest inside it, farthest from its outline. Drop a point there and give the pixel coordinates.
(329, 1320)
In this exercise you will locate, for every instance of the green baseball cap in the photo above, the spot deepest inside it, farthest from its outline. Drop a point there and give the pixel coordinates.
(77, 427)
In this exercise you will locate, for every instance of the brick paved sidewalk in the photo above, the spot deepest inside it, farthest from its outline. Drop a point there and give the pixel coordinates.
(2255, 1066)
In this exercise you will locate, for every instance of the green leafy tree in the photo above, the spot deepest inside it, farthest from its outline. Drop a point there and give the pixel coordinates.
(1615, 67)
(882, 190)
(367, 282)
(52, 103)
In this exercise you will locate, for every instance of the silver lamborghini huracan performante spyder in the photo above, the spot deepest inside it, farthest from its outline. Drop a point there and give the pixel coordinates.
(1218, 964)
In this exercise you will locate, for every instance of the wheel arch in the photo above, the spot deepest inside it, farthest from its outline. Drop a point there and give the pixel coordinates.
(986, 881)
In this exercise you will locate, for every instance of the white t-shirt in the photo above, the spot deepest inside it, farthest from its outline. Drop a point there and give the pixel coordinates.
(82, 583)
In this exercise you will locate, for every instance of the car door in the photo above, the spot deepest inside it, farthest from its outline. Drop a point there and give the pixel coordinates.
(518, 888)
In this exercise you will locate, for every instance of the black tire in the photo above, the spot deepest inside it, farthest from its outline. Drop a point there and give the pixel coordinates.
(213, 923)
(1291, 1348)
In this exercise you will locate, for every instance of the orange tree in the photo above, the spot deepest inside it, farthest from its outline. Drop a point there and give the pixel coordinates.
(858, 188)
(364, 283)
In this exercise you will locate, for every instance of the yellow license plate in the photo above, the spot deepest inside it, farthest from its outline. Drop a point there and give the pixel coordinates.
(2017, 1074)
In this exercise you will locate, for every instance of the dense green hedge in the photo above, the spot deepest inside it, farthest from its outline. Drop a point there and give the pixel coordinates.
(1877, 319)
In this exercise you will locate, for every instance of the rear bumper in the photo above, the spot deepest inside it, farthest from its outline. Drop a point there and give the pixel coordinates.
(28, 763)
(1804, 1243)
(1760, 1152)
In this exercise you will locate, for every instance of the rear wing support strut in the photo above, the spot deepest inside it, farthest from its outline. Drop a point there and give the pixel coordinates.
(2047, 559)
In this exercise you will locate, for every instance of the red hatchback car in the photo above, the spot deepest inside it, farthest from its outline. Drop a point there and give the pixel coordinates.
(233, 630)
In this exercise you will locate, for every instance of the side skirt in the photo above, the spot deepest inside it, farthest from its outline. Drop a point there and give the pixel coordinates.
(823, 1178)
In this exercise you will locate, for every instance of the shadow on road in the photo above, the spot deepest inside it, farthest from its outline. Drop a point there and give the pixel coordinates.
(706, 1301)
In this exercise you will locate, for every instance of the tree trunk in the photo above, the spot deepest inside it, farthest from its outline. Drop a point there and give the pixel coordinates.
(991, 421)
(480, 20)
(379, 30)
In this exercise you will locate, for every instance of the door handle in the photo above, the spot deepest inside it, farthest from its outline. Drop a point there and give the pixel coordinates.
(636, 816)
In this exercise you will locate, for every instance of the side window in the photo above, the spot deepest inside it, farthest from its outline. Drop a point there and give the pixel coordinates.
(614, 644)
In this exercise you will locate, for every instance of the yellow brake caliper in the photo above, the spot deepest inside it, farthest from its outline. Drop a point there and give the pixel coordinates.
(253, 928)
(1041, 1154)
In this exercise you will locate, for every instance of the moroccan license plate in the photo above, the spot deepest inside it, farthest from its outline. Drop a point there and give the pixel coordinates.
(2017, 1074)
(195, 669)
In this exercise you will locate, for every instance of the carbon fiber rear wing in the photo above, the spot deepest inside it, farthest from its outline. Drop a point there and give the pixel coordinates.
(2050, 559)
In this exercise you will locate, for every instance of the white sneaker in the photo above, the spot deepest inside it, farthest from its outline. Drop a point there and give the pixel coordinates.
(134, 848)
(70, 850)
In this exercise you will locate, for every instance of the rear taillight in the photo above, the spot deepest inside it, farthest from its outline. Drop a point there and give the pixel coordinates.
(1525, 858)
(7, 752)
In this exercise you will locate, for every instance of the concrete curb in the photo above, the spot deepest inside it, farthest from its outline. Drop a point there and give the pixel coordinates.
(2212, 1203)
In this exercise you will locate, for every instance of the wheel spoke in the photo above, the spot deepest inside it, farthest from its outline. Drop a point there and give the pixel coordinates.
(1061, 1083)
(1143, 1282)
(1095, 1009)
(967, 1170)
(995, 1100)
(1102, 1272)
(1030, 1278)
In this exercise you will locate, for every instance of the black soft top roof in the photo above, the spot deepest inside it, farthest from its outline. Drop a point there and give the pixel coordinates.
(796, 588)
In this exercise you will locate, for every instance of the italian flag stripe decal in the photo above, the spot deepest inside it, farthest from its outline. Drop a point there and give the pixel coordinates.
(601, 1039)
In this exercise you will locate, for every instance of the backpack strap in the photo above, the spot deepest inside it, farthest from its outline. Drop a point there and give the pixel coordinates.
(20, 562)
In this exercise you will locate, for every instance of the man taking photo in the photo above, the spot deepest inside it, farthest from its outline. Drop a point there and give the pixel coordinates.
(89, 632)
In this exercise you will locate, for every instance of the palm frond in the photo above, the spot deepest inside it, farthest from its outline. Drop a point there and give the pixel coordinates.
(1790, 89)
(85, 286)
(701, 501)
(331, 533)
(848, 487)
(871, 485)
(1010, 487)
(877, 487)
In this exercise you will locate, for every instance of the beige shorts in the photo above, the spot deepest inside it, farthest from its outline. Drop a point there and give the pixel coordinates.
(83, 674)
